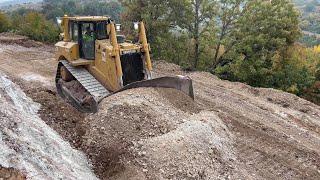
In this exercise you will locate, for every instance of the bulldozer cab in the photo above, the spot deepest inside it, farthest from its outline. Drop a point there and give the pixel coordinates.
(85, 33)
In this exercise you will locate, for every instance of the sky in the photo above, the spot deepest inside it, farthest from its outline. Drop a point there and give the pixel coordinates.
(11, 0)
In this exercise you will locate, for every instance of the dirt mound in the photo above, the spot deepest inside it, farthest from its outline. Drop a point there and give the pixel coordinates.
(199, 148)
(11, 38)
(148, 134)
(11, 174)
(124, 119)
(164, 66)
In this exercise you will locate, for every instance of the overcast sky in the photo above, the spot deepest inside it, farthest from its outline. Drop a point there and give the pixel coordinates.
(3, 1)
(8, 0)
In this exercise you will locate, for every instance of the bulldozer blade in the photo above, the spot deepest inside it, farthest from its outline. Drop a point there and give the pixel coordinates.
(181, 83)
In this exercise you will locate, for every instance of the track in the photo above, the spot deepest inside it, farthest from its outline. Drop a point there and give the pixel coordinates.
(87, 81)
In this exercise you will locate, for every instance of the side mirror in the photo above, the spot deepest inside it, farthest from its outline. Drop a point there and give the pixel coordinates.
(118, 27)
(59, 20)
(136, 26)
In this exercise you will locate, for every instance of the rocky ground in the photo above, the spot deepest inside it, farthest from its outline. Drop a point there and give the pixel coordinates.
(230, 131)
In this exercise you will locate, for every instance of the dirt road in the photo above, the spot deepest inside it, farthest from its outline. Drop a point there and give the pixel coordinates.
(230, 131)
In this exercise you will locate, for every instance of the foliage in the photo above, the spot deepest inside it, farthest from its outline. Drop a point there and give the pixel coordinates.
(273, 27)
(197, 17)
(4, 22)
(35, 26)
(228, 15)
(153, 12)
(309, 41)
(166, 42)
(296, 72)
(184, 21)
(58, 8)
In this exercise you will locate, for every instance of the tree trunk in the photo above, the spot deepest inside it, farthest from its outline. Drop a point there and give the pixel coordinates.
(215, 63)
(196, 34)
(197, 53)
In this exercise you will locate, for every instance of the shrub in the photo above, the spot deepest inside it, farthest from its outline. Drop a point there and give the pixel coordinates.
(35, 26)
(4, 22)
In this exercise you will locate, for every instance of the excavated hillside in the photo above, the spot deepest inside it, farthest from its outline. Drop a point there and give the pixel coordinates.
(230, 131)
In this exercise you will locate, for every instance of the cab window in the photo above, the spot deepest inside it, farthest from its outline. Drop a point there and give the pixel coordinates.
(87, 42)
(75, 32)
(101, 30)
(88, 31)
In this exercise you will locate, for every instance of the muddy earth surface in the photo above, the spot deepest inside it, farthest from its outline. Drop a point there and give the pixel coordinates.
(230, 131)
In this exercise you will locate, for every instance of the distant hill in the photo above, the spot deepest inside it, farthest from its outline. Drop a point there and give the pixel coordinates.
(310, 21)
(8, 3)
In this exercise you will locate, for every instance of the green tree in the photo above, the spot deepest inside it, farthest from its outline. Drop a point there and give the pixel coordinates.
(99, 8)
(58, 8)
(4, 22)
(199, 14)
(265, 29)
(228, 14)
(158, 21)
(153, 12)
(173, 19)
(35, 26)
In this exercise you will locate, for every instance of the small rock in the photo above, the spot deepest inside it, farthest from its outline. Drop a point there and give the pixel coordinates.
(210, 151)
(161, 171)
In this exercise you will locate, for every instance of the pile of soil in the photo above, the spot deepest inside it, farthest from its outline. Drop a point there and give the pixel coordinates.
(11, 38)
(11, 174)
(147, 133)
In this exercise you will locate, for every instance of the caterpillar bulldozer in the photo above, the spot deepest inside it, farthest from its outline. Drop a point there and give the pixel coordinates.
(94, 62)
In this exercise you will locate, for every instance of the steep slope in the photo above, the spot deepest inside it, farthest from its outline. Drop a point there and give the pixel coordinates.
(28, 144)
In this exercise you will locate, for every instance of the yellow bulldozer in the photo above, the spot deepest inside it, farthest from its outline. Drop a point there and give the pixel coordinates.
(94, 62)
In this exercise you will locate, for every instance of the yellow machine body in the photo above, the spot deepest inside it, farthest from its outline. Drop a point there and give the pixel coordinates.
(106, 65)
(92, 56)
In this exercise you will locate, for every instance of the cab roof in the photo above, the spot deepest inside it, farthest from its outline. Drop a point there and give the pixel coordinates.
(89, 18)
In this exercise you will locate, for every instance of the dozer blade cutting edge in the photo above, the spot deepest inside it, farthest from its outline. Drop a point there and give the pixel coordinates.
(89, 85)
(182, 83)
